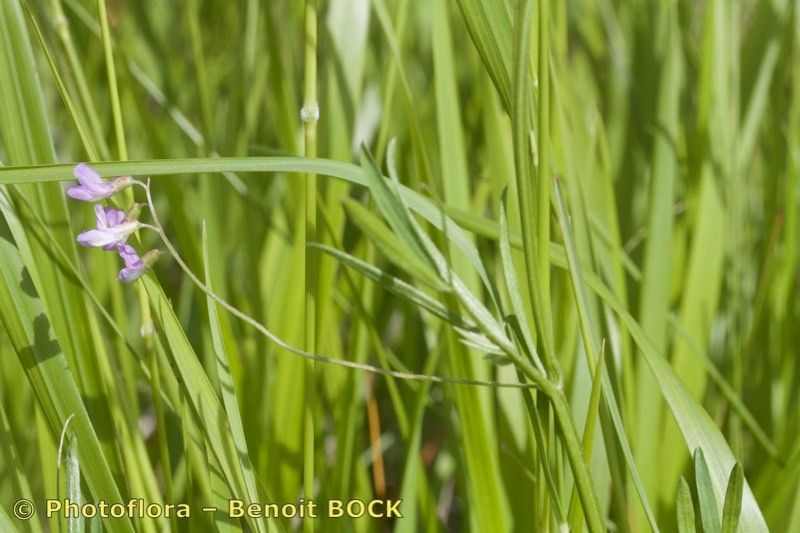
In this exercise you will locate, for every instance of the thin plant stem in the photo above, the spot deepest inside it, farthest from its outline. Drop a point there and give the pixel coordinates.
(61, 24)
(146, 329)
(543, 173)
(310, 116)
(572, 445)
(116, 109)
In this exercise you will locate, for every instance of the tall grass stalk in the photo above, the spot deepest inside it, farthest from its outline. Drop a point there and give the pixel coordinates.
(536, 267)
(310, 117)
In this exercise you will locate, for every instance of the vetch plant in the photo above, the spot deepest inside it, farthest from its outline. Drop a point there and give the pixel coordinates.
(113, 225)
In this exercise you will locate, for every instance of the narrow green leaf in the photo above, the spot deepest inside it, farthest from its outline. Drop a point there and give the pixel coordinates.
(229, 393)
(30, 332)
(733, 501)
(685, 508)
(512, 284)
(592, 348)
(387, 203)
(395, 249)
(74, 523)
(395, 285)
(489, 25)
(709, 512)
(204, 405)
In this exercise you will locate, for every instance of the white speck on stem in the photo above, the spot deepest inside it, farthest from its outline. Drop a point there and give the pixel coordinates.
(310, 113)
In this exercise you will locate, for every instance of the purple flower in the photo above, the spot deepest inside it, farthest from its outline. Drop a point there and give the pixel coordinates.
(134, 265)
(113, 228)
(92, 187)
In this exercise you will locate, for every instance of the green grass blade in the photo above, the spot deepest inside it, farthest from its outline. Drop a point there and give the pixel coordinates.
(75, 524)
(201, 398)
(733, 501)
(395, 285)
(592, 348)
(391, 246)
(228, 390)
(490, 28)
(46, 368)
(697, 427)
(709, 512)
(685, 508)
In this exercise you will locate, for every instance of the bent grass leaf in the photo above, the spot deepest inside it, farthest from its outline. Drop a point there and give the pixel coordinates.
(697, 427)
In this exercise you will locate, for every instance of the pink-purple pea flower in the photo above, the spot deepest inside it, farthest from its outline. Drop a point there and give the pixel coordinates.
(134, 265)
(113, 228)
(92, 187)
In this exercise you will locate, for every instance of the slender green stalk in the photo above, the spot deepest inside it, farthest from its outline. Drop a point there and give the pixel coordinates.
(111, 72)
(572, 444)
(147, 328)
(310, 116)
(544, 178)
(76, 68)
(201, 78)
(569, 437)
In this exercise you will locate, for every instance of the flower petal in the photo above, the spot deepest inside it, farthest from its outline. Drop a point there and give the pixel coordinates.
(98, 238)
(129, 274)
(89, 178)
(100, 217)
(114, 217)
(79, 192)
(129, 256)
(134, 266)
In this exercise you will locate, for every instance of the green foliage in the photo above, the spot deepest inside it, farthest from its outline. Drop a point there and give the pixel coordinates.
(573, 224)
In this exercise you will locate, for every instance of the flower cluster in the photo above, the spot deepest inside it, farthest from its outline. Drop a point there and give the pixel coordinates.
(113, 227)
